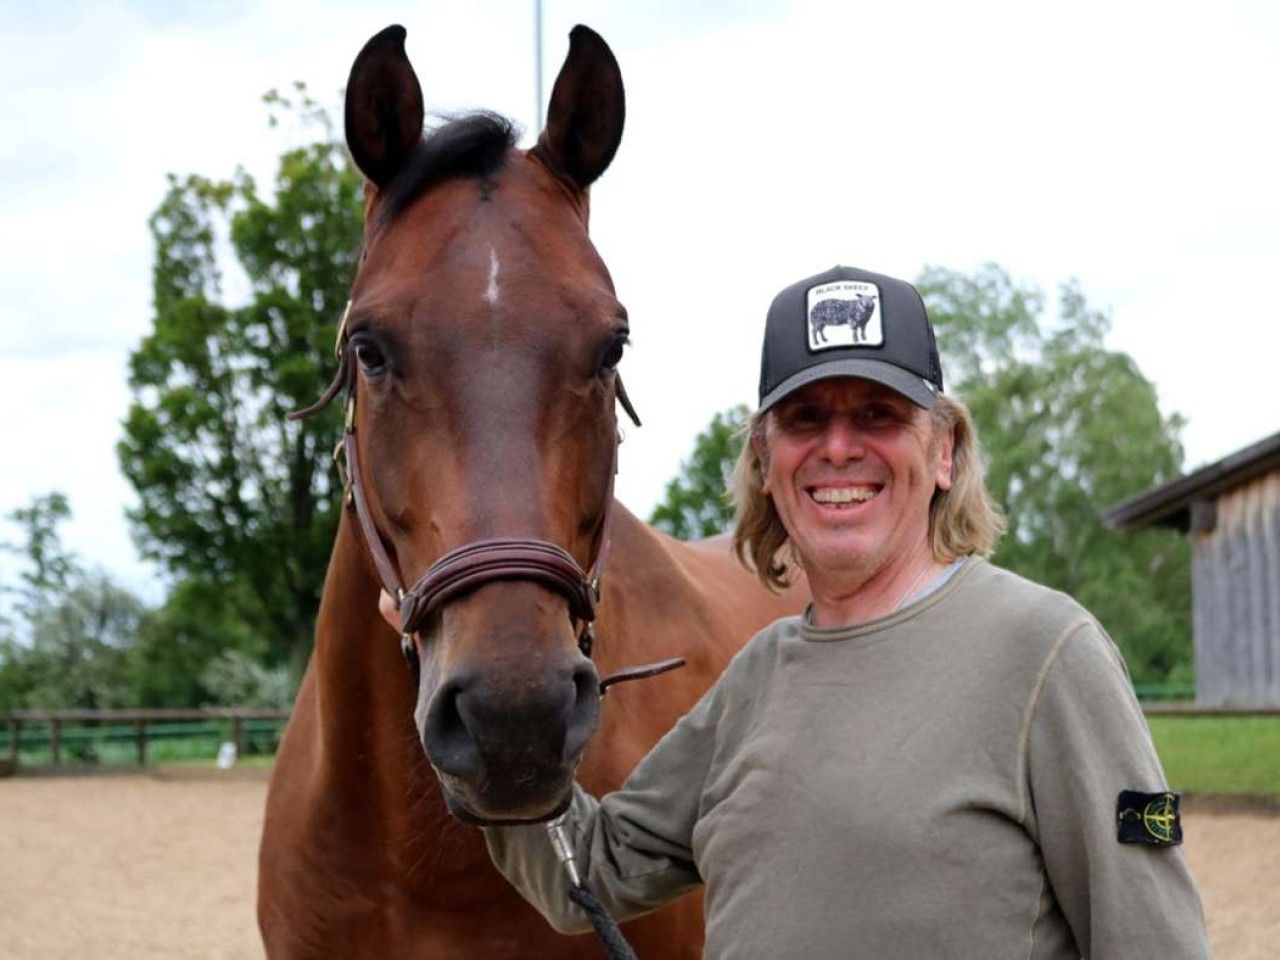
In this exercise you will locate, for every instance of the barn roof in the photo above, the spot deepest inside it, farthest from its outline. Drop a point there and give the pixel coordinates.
(1170, 504)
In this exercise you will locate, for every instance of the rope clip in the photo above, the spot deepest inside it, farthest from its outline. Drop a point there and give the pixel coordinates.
(564, 850)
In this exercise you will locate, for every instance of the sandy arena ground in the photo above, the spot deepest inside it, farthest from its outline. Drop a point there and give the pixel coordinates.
(140, 867)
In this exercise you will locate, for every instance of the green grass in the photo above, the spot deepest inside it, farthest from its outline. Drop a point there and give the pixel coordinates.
(1219, 754)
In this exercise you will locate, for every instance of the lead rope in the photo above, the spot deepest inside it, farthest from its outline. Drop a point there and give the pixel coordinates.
(606, 928)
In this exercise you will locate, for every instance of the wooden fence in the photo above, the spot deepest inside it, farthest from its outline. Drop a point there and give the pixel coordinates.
(56, 720)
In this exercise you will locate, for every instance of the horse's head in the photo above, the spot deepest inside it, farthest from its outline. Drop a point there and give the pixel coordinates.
(483, 337)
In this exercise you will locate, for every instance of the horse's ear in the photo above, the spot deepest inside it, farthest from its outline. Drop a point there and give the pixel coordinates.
(588, 107)
(384, 112)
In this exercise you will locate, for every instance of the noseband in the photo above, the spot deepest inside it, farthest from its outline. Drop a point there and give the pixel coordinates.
(473, 565)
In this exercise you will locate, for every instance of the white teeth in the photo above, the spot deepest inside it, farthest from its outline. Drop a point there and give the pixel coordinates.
(842, 494)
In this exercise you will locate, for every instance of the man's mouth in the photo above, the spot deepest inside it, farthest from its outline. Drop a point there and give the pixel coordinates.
(842, 498)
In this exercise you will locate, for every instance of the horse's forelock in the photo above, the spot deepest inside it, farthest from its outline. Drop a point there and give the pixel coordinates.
(472, 145)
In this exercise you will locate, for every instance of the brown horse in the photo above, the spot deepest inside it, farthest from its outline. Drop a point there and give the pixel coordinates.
(480, 352)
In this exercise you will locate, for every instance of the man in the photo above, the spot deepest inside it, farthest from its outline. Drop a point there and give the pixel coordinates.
(939, 759)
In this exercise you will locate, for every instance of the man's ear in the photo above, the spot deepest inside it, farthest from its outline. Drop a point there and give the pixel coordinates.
(945, 446)
(761, 448)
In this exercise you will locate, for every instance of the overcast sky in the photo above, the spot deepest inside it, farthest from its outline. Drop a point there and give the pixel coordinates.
(1132, 145)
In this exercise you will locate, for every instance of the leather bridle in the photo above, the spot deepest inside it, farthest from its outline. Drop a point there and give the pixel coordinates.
(473, 565)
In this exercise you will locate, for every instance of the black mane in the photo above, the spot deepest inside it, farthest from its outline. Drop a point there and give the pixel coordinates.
(472, 145)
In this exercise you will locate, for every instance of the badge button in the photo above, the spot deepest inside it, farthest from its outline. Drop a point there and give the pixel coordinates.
(1150, 818)
(844, 313)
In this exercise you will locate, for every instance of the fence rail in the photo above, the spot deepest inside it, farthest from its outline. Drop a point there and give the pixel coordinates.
(1164, 692)
(144, 722)
(1183, 709)
(143, 725)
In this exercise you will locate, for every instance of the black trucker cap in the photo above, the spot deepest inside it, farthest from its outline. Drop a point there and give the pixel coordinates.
(850, 323)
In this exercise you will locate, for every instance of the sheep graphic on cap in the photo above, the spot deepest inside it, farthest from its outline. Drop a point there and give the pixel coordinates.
(837, 312)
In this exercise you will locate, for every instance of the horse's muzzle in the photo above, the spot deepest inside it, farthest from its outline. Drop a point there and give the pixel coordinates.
(507, 753)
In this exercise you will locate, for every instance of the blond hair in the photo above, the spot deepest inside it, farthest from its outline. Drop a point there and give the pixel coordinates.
(963, 520)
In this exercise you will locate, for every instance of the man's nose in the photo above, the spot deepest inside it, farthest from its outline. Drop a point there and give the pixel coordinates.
(843, 441)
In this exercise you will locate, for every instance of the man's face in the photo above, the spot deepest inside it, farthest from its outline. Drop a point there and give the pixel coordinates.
(852, 467)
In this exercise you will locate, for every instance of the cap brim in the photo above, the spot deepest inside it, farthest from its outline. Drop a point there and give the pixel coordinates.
(914, 388)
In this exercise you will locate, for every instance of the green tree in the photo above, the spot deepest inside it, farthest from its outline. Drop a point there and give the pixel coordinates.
(233, 678)
(1069, 428)
(79, 645)
(199, 621)
(49, 566)
(229, 491)
(696, 503)
(78, 626)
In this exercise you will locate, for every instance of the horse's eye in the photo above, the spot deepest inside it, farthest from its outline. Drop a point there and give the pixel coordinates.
(613, 355)
(370, 357)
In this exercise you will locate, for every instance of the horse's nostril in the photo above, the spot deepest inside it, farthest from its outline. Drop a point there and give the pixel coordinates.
(445, 736)
(585, 713)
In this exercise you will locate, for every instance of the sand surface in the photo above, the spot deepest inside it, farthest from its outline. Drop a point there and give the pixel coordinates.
(161, 867)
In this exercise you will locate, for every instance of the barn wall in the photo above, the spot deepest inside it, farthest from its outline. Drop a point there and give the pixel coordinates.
(1236, 580)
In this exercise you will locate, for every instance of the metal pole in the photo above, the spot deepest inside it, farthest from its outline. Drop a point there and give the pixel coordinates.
(537, 64)
(15, 733)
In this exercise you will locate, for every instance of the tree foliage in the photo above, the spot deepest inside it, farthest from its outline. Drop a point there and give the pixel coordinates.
(234, 678)
(48, 566)
(85, 641)
(200, 621)
(76, 625)
(1070, 428)
(79, 646)
(696, 504)
(229, 491)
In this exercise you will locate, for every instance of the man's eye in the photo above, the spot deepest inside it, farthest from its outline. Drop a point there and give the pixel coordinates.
(803, 417)
(879, 414)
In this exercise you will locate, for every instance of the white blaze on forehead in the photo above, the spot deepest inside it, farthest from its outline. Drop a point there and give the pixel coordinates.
(491, 291)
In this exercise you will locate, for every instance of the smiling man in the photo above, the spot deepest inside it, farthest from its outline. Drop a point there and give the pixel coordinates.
(939, 759)
(851, 467)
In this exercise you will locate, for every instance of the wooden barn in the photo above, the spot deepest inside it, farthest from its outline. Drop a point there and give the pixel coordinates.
(1231, 511)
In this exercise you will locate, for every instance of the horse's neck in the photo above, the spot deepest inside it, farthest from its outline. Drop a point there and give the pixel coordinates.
(698, 592)
(374, 768)
(662, 599)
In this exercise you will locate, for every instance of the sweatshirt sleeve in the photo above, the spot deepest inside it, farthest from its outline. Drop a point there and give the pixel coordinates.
(633, 847)
(1087, 742)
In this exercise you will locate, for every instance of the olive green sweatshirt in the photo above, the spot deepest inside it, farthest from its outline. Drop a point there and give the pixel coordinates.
(941, 782)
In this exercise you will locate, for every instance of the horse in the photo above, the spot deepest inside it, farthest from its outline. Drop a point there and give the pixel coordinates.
(479, 356)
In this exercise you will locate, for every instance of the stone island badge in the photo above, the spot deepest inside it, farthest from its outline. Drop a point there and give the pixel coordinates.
(845, 313)
(1148, 818)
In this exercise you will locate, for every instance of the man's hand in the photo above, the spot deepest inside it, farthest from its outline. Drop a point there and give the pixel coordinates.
(390, 610)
